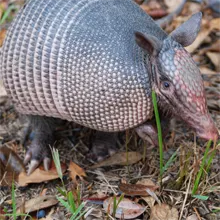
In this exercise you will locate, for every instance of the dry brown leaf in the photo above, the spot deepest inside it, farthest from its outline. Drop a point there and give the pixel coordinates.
(150, 200)
(191, 8)
(146, 182)
(75, 171)
(126, 208)
(214, 47)
(10, 166)
(163, 212)
(205, 70)
(215, 59)
(172, 4)
(38, 203)
(200, 38)
(2, 36)
(192, 217)
(120, 159)
(136, 189)
(214, 24)
(39, 175)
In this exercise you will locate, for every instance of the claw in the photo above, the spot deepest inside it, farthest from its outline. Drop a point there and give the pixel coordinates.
(112, 151)
(47, 163)
(27, 158)
(33, 165)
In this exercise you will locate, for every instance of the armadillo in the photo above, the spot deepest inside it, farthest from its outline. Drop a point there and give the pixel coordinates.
(97, 62)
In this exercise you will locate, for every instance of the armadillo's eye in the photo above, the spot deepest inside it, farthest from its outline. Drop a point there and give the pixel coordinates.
(166, 85)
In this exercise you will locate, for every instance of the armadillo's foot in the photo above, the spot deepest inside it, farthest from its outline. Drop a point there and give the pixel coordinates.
(37, 153)
(103, 145)
(148, 131)
(40, 132)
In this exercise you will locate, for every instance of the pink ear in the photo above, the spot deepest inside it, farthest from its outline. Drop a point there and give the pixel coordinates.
(186, 33)
(148, 42)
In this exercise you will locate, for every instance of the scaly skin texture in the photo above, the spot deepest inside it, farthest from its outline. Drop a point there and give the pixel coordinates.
(96, 63)
(78, 60)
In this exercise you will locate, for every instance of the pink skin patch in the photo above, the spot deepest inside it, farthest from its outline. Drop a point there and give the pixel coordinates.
(190, 89)
(201, 103)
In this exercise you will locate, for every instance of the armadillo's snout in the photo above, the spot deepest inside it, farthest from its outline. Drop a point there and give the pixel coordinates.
(206, 128)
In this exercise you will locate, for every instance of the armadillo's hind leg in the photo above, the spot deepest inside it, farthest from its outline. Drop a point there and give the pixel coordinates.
(103, 145)
(42, 135)
(148, 131)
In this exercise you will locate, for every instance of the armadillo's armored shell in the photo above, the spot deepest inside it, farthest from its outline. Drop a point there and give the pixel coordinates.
(78, 60)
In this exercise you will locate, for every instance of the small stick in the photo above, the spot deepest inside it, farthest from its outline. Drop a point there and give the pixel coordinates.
(186, 196)
(197, 213)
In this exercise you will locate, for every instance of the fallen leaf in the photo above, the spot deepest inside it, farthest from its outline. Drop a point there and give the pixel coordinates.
(214, 47)
(2, 214)
(200, 38)
(192, 217)
(215, 59)
(120, 159)
(39, 175)
(41, 202)
(214, 24)
(163, 212)
(150, 200)
(127, 208)
(2, 36)
(136, 189)
(172, 4)
(75, 171)
(205, 70)
(146, 182)
(10, 166)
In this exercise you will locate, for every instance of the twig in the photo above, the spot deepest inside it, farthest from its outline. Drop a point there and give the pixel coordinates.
(197, 213)
(186, 196)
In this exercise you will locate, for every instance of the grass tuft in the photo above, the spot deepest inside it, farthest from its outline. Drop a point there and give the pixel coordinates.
(202, 167)
(75, 208)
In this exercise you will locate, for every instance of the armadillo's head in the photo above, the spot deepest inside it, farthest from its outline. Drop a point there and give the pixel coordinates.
(176, 78)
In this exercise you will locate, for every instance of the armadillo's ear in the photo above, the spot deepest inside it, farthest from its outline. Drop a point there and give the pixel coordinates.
(148, 42)
(186, 33)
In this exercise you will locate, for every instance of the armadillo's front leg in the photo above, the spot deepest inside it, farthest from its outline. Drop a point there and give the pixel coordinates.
(43, 135)
(103, 145)
(148, 130)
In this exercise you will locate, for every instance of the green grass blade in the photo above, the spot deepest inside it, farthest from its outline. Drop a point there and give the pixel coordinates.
(79, 209)
(7, 13)
(210, 160)
(61, 191)
(71, 202)
(203, 198)
(160, 141)
(120, 199)
(196, 184)
(13, 200)
(56, 159)
(64, 203)
(168, 163)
